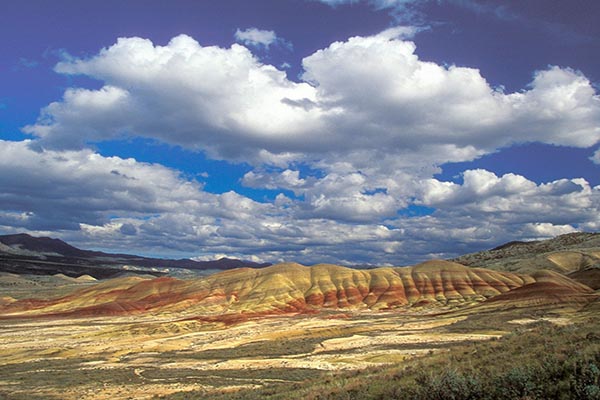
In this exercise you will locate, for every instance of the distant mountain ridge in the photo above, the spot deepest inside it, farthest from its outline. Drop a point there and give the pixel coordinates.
(22, 253)
(44, 245)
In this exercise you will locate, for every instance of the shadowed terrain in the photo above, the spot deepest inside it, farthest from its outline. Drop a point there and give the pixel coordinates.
(25, 254)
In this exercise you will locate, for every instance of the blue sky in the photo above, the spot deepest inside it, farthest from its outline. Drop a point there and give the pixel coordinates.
(380, 131)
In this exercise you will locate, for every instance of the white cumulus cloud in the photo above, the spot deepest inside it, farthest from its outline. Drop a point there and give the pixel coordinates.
(260, 38)
(596, 157)
(358, 140)
(364, 94)
(221, 100)
(513, 199)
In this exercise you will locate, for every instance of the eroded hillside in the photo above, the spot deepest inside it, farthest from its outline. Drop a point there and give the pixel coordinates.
(293, 288)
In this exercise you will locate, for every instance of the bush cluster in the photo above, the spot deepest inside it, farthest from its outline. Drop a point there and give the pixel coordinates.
(562, 380)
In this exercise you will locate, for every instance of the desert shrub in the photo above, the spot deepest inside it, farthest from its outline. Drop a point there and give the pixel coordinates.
(449, 385)
(585, 383)
(517, 383)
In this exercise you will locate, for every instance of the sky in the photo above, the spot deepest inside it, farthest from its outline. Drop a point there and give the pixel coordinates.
(381, 132)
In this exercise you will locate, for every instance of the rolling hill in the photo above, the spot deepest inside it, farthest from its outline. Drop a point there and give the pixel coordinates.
(293, 288)
(576, 255)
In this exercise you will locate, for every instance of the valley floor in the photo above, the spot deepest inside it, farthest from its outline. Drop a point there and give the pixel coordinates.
(151, 355)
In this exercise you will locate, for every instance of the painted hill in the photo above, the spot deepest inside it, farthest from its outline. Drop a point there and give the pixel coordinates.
(294, 288)
(576, 255)
(25, 254)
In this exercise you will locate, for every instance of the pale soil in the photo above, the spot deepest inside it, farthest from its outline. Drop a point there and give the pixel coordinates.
(139, 357)
(561, 321)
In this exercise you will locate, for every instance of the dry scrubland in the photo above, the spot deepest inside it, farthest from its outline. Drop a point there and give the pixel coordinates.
(438, 330)
(144, 357)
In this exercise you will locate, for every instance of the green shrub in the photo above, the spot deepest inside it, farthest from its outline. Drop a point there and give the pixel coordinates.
(518, 383)
(449, 385)
(585, 384)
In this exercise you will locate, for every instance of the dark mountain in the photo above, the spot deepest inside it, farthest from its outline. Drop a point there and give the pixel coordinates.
(42, 245)
(26, 254)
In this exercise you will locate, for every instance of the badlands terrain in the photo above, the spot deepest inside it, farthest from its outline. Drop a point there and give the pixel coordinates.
(290, 331)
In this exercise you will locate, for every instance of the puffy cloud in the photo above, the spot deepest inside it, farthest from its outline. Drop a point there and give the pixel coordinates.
(387, 97)
(596, 157)
(64, 189)
(367, 94)
(256, 37)
(512, 199)
(342, 194)
(371, 123)
(121, 204)
(260, 38)
(287, 179)
(546, 230)
(349, 197)
(128, 206)
(221, 100)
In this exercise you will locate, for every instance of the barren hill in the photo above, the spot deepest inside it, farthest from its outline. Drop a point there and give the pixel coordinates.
(576, 255)
(294, 288)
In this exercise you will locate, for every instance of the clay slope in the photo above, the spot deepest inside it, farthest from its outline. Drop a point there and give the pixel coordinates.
(549, 289)
(587, 276)
(291, 288)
